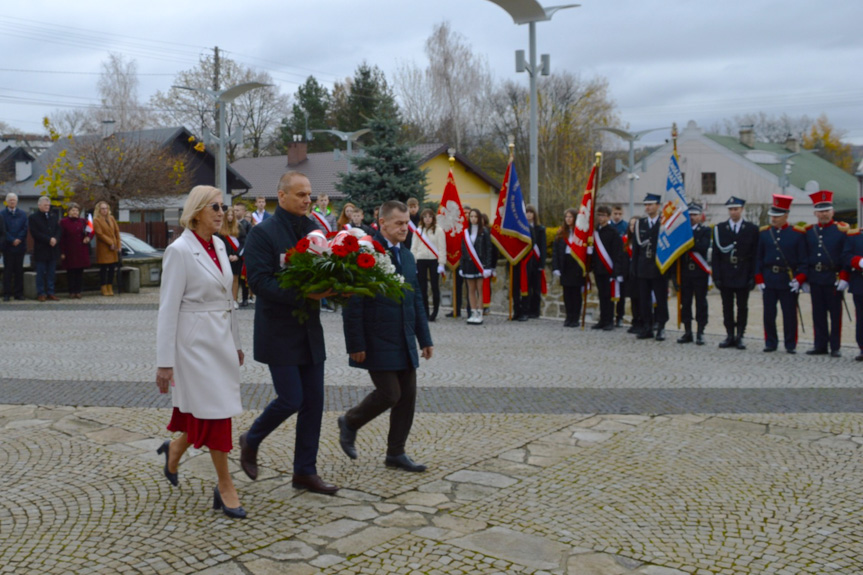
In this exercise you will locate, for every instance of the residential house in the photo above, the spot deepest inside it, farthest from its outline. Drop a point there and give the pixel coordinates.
(716, 167)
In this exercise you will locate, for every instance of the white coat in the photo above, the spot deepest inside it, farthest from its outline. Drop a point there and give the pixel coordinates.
(197, 333)
(437, 239)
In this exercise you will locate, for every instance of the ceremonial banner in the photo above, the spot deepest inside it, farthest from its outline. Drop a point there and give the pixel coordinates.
(584, 224)
(450, 217)
(675, 232)
(510, 231)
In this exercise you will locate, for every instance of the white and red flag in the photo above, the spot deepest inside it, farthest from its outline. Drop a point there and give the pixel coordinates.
(450, 217)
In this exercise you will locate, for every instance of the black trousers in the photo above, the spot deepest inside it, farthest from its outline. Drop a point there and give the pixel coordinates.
(788, 302)
(620, 306)
(731, 321)
(572, 302)
(826, 302)
(106, 273)
(603, 292)
(858, 317)
(427, 272)
(693, 288)
(519, 302)
(13, 274)
(534, 291)
(648, 290)
(75, 279)
(396, 391)
(459, 288)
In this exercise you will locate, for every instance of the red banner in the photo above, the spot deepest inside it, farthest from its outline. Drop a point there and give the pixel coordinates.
(584, 223)
(450, 217)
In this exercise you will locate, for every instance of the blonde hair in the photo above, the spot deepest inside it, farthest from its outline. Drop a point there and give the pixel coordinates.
(198, 199)
(98, 214)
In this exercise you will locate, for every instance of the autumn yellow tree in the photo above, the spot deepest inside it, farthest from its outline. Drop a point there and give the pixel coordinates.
(828, 141)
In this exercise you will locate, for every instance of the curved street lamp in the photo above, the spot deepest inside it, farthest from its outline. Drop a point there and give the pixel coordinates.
(349, 137)
(630, 137)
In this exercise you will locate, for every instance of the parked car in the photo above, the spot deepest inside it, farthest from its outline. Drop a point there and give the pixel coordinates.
(132, 247)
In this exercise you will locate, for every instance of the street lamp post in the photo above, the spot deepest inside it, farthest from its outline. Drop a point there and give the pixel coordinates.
(631, 137)
(859, 175)
(221, 99)
(349, 137)
(530, 12)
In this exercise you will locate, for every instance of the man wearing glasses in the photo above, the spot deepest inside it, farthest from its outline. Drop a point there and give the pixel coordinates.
(294, 351)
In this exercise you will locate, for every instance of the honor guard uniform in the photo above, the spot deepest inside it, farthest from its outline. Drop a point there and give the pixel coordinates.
(852, 259)
(780, 270)
(733, 263)
(652, 285)
(827, 276)
(694, 277)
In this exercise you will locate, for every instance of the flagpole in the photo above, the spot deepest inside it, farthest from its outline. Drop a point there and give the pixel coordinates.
(598, 164)
(679, 294)
(510, 291)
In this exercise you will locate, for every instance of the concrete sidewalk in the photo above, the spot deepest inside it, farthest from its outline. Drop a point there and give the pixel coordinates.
(723, 461)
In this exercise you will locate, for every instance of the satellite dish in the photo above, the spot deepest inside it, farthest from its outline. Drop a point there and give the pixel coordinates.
(762, 157)
(811, 187)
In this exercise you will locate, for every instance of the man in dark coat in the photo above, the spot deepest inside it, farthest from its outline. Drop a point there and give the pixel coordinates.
(45, 229)
(780, 270)
(852, 259)
(652, 285)
(14, 243)
(293, 351)
(694, 278)
(381, 336)
(827, 277)
(607, 266)
(735, 243)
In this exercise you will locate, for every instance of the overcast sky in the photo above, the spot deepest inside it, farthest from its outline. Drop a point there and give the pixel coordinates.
(665, 61)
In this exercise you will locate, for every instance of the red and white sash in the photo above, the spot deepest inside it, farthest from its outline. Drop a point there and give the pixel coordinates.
(602, 253)
(615, 289)
(472, 251)
(700, 262)
(570, 241)
(322, 220)
(257, 217)
(235, 243)
(423, 239)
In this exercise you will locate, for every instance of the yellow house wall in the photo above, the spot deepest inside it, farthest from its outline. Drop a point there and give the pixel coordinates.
(472, 190)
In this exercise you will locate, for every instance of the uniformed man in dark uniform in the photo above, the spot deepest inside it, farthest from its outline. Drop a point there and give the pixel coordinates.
(694, 276)
(652, 285)
(733, 263)
(607, 266)
(780, 270)
(852, 259)
(828, 278)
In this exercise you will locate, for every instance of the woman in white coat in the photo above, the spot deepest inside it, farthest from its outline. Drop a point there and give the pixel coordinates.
(198, 344)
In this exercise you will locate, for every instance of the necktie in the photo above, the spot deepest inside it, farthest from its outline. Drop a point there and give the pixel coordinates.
(397, 261)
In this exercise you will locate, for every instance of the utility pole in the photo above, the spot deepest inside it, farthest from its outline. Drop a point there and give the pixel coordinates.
(216, 70)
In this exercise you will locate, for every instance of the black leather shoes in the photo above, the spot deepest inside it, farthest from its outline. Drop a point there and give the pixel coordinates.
(248, 458)
(859, 357)
(646, 334)
(738, 343)
(608, 327)
(790, 351)
(729, 341)
(769, 349)
(404, 462)
(685, 338)
(597, 326)
(660, 334)
(618, 322)
(816, 352)
(521, 318)
(166, 448)
(232, 512)
(347, 438)
(835, 353)
(699, 338)
(314, 484)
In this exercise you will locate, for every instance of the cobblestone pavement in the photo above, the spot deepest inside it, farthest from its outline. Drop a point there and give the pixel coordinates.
(560, 451)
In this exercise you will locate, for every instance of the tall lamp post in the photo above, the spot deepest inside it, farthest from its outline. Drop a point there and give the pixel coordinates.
(530, 12)
(349, 137)
(631, 137)
(859, 175)
(221, 99)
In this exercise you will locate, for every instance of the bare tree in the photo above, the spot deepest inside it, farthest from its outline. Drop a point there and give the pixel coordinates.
(74, 121)
(118, 92)
(256, 114)
(767, 127)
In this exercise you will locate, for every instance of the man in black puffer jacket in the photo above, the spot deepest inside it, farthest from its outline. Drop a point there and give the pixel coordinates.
(381, 336)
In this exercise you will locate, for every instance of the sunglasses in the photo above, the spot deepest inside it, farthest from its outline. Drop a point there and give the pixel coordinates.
(217, 206)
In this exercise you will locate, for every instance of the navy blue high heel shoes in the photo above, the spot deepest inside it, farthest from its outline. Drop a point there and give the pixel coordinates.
(232, 512)
(165, 448)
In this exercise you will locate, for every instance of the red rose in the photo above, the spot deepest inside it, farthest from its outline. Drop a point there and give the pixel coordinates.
(340, 250)
(378, 247)
(365, 261)
(302, 245)
(288, 254)
(352, 244)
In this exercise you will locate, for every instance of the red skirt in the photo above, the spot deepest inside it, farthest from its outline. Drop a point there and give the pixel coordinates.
(215, 434)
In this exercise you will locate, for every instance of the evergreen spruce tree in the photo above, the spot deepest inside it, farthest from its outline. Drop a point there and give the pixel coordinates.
(387, 171)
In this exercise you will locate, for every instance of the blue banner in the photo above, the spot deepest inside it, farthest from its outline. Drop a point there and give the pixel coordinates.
(513, 221)
(675, 233)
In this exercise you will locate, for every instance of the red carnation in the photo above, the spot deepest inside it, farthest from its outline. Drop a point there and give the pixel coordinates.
(302, 245)
(351, 244)
(378, 247)
(340, 250)
(365, 261)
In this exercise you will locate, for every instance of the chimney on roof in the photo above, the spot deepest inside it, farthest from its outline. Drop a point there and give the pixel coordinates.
(297, 152)
(747, 136)
(792, 145)
(107, 128)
